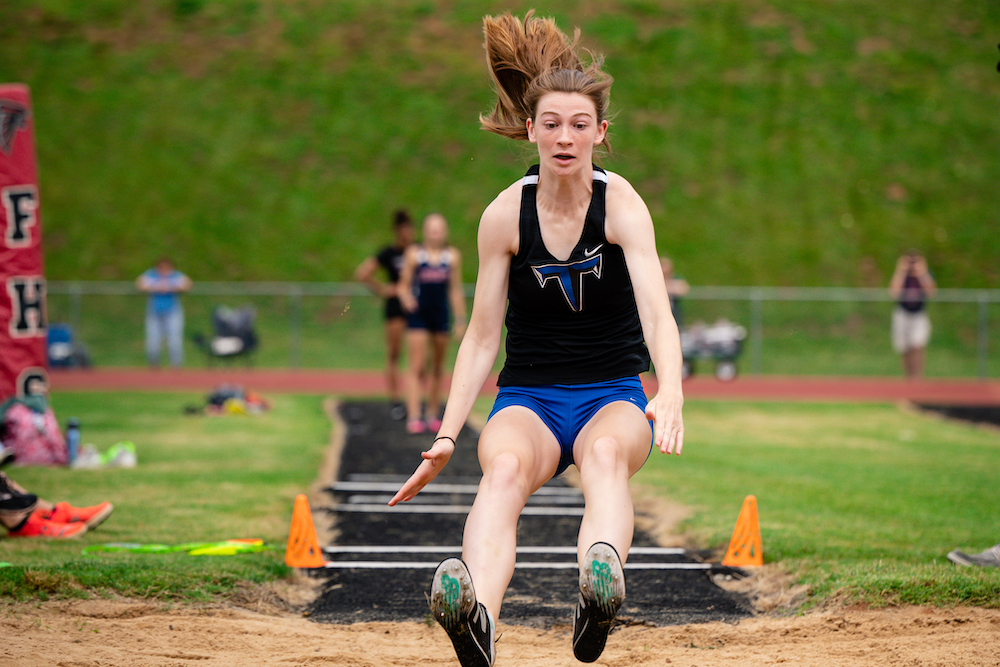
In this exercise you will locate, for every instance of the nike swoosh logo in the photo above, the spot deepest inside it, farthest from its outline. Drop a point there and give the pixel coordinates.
(588, 253)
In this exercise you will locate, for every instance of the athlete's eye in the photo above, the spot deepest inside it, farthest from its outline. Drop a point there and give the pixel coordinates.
(550, 125)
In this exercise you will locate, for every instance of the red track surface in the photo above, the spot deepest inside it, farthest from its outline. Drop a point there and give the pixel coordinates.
(371, 383)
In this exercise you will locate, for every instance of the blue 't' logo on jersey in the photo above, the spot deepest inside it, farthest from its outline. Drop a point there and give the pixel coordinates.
(569, 277)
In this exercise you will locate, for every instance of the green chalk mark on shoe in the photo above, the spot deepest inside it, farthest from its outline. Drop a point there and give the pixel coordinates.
(602, 581)
(451, 595)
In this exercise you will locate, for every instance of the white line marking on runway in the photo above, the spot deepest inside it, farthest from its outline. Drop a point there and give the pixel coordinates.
(424, 565)
(377, 487)
(384, 498)
(413, 549)
(452, 509)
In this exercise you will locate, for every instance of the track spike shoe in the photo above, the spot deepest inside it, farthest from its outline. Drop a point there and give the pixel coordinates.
(602, 592)
(454, 605)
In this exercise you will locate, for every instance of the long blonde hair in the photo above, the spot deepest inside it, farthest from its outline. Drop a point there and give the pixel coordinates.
(531, 58)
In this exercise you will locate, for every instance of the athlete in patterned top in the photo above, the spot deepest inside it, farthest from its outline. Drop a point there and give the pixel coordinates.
(432, 296)
(569, 252)
(390, 259)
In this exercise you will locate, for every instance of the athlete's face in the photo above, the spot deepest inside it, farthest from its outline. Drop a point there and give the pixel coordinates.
(566, 130)
(404, 235)
(435, 231)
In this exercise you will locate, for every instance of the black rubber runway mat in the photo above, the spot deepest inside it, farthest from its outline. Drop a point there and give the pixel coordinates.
(977, 414)
(382, 561)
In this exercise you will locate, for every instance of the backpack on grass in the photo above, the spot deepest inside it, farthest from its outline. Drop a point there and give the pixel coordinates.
(29, 428)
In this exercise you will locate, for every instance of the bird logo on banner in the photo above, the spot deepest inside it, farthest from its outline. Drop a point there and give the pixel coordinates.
(13, 117)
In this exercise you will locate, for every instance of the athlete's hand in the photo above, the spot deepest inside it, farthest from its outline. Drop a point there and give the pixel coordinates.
(664, 410)
(435, 459)
(407, 301)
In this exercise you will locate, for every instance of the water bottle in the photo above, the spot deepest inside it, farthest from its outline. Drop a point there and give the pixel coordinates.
(72, 438)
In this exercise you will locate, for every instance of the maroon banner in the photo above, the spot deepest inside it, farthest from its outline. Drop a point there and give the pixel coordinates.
(23, 318)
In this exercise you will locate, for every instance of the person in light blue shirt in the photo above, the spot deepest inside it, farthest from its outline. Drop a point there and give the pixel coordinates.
(164, 314)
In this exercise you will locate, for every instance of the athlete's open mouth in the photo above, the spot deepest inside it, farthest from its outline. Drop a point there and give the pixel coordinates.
(563, 156)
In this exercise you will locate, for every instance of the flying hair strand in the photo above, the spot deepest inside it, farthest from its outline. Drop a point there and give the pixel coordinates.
(529, 58)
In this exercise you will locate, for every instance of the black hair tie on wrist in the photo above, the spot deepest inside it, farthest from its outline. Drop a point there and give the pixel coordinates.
(445, 437)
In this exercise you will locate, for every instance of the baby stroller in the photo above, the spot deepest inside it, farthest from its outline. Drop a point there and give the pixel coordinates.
(233, 334)
(721, 342)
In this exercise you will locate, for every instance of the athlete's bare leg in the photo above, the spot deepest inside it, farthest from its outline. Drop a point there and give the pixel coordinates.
(913, 362)
(394, 330)
(416, 346)
(518, 454)
(439, 346)
(608, 451)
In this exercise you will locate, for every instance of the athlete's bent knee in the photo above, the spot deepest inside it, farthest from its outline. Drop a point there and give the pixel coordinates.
(504, 473)
(605, 453)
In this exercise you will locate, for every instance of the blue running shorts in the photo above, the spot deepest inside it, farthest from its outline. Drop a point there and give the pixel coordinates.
(566, 408)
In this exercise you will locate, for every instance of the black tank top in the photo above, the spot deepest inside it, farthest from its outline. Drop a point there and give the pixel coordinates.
(912, 297)
(431, 282)
(571, 322)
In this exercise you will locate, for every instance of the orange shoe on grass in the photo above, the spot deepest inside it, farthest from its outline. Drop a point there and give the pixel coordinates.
(93, 516)
(38, 526)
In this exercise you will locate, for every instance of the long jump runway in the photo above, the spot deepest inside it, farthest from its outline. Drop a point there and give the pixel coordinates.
(380, 565)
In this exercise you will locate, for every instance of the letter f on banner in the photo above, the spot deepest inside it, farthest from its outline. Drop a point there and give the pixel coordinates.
(20, 203)
(564, 274)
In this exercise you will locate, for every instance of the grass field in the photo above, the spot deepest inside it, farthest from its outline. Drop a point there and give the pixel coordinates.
(862, 501)
(777, 142)
(859, 502)
(198, 479)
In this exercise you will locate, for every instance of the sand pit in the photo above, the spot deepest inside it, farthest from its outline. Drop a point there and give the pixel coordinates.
(268, 628)
(127, 633)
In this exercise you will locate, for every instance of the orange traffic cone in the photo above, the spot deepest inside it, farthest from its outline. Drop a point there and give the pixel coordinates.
(745, 546)
(303, 546)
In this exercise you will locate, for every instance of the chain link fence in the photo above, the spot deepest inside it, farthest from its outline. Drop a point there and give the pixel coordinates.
(790, 330)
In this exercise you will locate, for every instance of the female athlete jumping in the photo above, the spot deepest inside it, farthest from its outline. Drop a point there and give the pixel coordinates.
(569, 253)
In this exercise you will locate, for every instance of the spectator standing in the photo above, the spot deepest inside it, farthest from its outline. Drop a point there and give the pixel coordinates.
(911, 285)
(164, 315)
(390, 260)
(677, 288)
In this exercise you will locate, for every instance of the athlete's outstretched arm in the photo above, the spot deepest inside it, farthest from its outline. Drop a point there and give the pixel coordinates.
(630, 226)
(497, 243)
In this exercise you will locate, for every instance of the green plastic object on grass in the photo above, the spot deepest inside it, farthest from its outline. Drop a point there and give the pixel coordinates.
(223, 548)
(120, 455)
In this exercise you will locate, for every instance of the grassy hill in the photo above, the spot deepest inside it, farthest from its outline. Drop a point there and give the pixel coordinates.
(783, 142)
